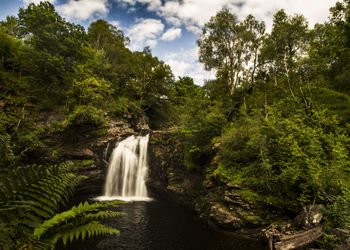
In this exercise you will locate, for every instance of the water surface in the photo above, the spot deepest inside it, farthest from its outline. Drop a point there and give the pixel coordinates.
(163, 225)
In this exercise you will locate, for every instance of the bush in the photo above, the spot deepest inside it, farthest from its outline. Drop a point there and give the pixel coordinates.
(328, 241)
(85, 122)
(82, 116)
(198, 130)
(337, 213)
(123, 107)
(298, 156)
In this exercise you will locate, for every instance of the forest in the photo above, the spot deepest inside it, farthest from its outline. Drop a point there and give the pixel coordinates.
(275, 119)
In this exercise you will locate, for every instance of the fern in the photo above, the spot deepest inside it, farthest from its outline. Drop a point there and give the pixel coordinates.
(7, 156)
(86, 212)
(29, 200)
(90, 229)
(45, 187)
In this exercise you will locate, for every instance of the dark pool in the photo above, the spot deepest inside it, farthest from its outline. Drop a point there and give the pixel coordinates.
(164, 225)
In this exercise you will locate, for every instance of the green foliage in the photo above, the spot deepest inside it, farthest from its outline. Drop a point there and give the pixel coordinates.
(124, 107)
(337, 213)
(85, 115)
(295, 156)
(327, 241)
(91, 91)
(30, 199)
(336, 103)
(7, 157)
(78, 221)
(58, 46)
(45, 188)
(184, 89)
(201, 123)
(231, 47)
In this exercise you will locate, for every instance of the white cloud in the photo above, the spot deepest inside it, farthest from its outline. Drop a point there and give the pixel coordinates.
(173, 20)
(195, 13)
(84, 9)
(115, 23)
(178, 67)
(315, 11)
(185, 63)
(37, 1)
(145, 33)
(151, 43)
(171, 34)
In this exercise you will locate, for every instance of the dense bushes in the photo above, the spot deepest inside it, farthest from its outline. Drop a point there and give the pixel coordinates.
(299, 157)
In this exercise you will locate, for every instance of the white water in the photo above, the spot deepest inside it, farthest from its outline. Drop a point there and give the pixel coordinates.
(127, 171)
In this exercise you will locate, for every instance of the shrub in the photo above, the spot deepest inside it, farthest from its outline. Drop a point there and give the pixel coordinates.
(298, 156)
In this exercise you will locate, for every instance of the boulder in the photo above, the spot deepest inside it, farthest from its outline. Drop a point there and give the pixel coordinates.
(309, 217)
(234, 198)
(224, 218)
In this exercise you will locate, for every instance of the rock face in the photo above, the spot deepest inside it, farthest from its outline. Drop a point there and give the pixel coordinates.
(219, 204)
(167, 174)
(224, 218)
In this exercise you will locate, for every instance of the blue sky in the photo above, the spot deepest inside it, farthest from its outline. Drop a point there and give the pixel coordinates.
(171, 27)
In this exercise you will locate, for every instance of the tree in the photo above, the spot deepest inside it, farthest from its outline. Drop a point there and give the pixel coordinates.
(331, 48)
(151, 84)
(184, 89)
(101, 34)
(113, 60)
(287, 43)
(231, 48)
(56, 46)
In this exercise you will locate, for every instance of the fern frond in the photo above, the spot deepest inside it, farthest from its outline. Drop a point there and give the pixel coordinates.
(90, 229)
(85, 212)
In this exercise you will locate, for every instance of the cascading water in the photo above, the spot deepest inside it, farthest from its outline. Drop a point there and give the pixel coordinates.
(127, 170)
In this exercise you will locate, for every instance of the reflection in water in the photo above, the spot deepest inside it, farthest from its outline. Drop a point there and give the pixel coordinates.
(163, 225)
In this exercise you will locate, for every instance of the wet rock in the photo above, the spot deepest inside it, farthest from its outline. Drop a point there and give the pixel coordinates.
(231, 185)
(223, 218)
(139, 124)
(118, 129)
(309, 217)
(234, 198)
(77, 153)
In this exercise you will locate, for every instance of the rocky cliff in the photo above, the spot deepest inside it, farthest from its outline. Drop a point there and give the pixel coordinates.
(217, 203)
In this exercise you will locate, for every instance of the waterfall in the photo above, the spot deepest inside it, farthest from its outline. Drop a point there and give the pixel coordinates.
(127, 170)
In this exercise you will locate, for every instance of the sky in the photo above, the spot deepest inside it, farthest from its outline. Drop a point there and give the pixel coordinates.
(172, 27)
